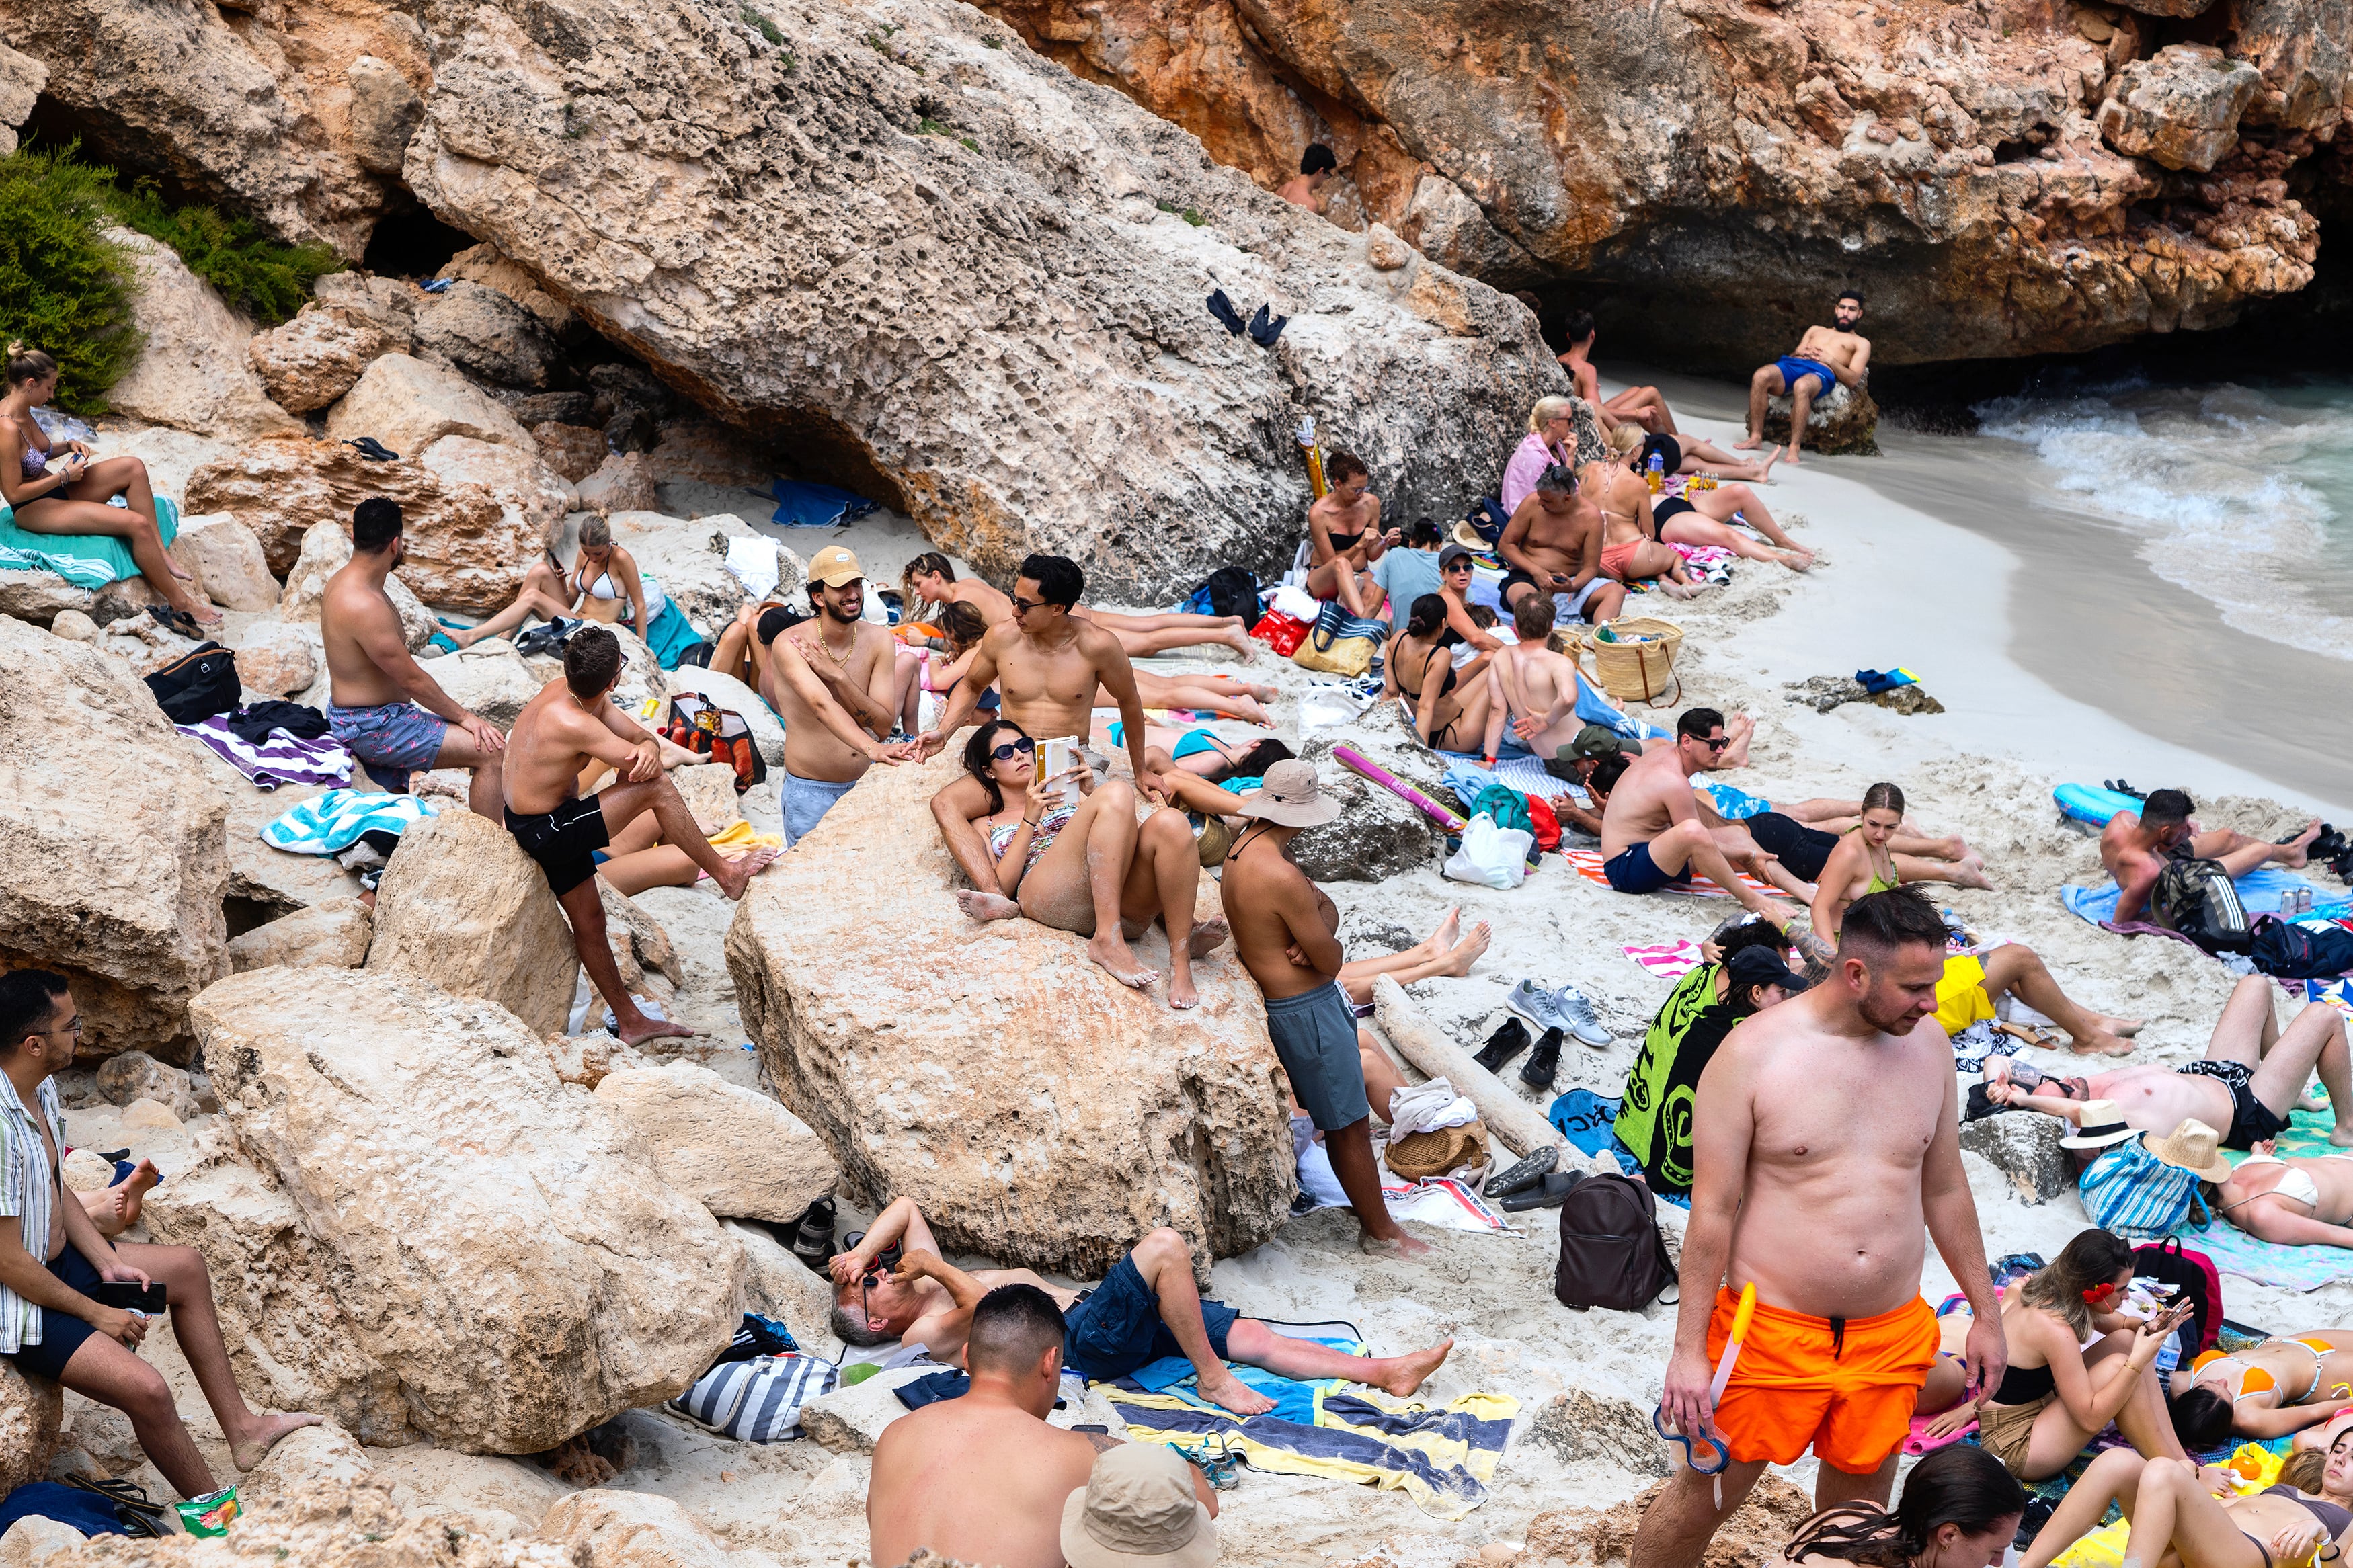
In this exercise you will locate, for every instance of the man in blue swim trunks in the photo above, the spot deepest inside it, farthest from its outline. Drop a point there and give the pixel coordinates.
(1823, 358)
(1146, 1310)
(1652, 834)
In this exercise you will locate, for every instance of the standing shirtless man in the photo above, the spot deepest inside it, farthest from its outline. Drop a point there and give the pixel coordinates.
(388, 712)
(1820, 1201)
(853, 663)
(1286, 935)
(1652, 834)
(1553, 545)
(573, 719)
(1823, 357)
(2135, 846)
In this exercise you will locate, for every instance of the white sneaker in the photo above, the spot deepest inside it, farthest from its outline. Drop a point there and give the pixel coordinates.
(1578, 1016)
(1538, 1006)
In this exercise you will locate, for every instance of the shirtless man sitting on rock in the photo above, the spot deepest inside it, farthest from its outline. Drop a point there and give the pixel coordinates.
(1652, 834)
(1824, 357)
(2135, 846)
(2252, 1075)
(381, 706)
(833, 679)
(1821, 1202)
(571, 720)
(983, 1477)
(1553, 545)
(931, 578)
(1146, 1309)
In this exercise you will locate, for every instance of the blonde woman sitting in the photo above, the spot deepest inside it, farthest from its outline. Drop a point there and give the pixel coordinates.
(1704, 516)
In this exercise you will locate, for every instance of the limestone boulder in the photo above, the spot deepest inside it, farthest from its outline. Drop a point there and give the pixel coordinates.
(533, 497)
(623, 481)
(483, 263)
(308, 1453)
(408, 405)
(585, 1059)
(1376, 837)
(488, 679)
(2304, 50)
(734, 1150)
(406, 1123)
(779, 1283)
(40, 596)
(388, 304)
(2181, 106)
(193, 372)
(488, 335)
(226, 561)
(278, 657)
(632, 1529)
(384, 113)
(463, 907)
(691, 560)
(308, 362)
(2026, 1150)
(575, 451)
(136, 1074)
(74, 626)
(325, 549)
(112, 859)
(32, 1417)
(264, 882)
(21, 81)
(34, 1539)
(708, 791)
(333, 935)
(1844, 421)
(290, 1342)
(933, 1055)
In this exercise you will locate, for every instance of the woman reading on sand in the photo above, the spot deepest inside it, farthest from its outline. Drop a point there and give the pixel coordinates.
(57, 488)
(1959, 1509)
(1081, 865)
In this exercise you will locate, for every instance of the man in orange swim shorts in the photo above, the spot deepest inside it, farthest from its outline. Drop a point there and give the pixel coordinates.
(1825, 1139)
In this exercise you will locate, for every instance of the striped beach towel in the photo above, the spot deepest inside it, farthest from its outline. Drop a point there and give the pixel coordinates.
(1669, 960)
(282, 759)
(1587, 863)
(331, 823)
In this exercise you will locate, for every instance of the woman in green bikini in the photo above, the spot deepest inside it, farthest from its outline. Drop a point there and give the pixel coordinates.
(1866, 861)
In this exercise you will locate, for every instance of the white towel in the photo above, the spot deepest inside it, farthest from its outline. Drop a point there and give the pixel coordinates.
(1298, 604)
(753, 562)
(1428, 1108)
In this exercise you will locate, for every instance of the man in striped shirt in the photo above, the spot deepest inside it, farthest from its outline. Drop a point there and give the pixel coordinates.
(54, 1264)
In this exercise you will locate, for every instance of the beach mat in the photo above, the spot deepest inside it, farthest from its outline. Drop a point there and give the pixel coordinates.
(1587, 863)
(2260, 892)
(1668, 961)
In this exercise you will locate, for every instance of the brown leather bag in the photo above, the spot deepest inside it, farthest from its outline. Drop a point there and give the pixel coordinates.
(1611, 1254)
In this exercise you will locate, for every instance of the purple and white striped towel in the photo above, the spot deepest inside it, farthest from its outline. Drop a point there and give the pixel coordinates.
(280, 760)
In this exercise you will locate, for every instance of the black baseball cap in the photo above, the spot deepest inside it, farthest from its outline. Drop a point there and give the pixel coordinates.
(1450, 555)
(1762, 966)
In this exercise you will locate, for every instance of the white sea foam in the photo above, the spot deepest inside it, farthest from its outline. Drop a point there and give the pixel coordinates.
(2243, 496)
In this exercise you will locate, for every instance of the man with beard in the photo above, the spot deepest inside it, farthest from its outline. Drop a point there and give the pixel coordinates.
(1825, 1139)
(854, 663)
(1823, 357)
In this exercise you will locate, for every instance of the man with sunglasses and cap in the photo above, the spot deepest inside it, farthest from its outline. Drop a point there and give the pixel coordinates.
(1286, 932)
(835, 659)
(1652, 834)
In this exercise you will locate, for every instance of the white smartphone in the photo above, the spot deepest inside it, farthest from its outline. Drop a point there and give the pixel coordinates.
(1060, 757)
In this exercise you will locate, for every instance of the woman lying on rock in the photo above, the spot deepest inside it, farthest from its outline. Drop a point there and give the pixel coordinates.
(52, 1322)
(1083, 865)
(59, 489)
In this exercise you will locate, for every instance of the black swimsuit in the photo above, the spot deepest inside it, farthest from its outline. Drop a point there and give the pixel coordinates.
(1446, 640)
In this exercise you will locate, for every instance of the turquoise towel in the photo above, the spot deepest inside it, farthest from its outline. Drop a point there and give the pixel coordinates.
(86, 560)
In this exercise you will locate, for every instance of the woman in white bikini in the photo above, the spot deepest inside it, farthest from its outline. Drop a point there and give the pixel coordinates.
(2300, 1201)
(604, 585)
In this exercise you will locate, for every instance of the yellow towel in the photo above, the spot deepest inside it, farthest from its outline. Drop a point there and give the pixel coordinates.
(737, 838)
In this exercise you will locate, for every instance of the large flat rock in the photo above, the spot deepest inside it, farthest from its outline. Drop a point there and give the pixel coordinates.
(1039, 1111)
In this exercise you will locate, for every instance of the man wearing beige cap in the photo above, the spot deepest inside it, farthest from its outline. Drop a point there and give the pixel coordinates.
(835, 657)
(1285, 934)
(1138, 1510)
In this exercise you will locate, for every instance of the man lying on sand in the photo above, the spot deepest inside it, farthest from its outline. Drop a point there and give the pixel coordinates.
(571, 720)
(2135, 846)
(1145, 1309)
(983, 1477)
(1651, 837)
(2252, 1075)
(1824, 357)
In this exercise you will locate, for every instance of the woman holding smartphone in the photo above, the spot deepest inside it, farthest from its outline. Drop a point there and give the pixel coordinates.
(2076, 1364)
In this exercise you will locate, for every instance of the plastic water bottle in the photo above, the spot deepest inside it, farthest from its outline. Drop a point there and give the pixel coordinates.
(1657, 475)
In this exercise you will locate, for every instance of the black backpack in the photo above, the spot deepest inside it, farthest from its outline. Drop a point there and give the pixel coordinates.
(2289, 951)
(197, 685)
(1611, 1254)
(2196, 1282)
(2196, 899)
(1233, 592)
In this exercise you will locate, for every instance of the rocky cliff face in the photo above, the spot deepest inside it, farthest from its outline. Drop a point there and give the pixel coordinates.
(1948, 159)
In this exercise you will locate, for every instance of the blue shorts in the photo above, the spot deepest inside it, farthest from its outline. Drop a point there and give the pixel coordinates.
(1631, 870)
(62, 1333)
(1794, 370)
(806, 802)
(1117, 1329)
(394, 740)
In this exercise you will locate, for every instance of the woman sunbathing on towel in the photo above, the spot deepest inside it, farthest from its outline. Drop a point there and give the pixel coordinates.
(59, 489)
(2074, 1365)
(2269, 1389)
(1959, 1509)
(1086, 866)
(2299, 1201)
(2181, 1513)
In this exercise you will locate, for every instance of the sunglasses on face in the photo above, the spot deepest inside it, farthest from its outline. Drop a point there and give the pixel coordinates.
(1458, 566)
(1717, 742)
(1023, 606)
(1006, 754)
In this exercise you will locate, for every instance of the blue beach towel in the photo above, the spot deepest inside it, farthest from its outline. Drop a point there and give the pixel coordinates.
(85, 560)
(331, 823)
(672, 634)
(1590, 1123)
(803, 505)
(2260, 891)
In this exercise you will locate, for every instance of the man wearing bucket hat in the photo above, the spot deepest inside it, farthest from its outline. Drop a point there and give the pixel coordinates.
(1138, 1510)
(1285, 934)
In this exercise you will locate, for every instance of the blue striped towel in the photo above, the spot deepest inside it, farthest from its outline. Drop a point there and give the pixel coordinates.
(331, 823)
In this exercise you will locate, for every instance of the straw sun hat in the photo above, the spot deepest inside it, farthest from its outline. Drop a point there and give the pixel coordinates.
(2194, 1147)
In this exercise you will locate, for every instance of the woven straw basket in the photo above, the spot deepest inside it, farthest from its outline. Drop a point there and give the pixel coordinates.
(1639, 665)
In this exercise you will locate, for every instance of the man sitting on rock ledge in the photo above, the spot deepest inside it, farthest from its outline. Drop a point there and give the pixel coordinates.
(1146, 1309)
(1824, 357)
(52, 1324)
(393, 718)
(571, 720)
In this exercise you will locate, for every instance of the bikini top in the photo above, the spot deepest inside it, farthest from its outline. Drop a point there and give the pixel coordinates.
(2332, 1517)
(37, 462)
(2025, 1384)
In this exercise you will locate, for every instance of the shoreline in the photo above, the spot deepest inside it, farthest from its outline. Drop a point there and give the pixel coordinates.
(1939, 511)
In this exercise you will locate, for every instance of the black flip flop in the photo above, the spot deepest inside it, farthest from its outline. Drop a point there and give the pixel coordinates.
(1223, 309)
(373, 450)
(1548, 1193)
(1264, 329)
